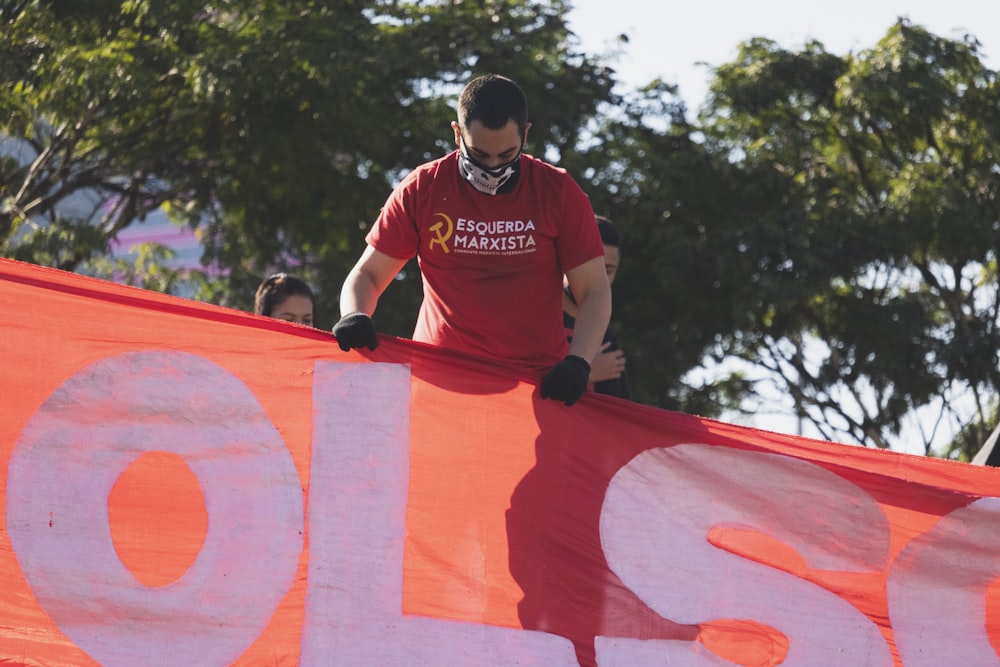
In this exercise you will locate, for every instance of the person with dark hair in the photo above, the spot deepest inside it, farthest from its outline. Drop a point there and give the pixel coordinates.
(285, 297)
(494, 230)
(607, 372)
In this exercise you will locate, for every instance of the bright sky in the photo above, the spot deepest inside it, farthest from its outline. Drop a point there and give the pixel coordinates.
(669, 39)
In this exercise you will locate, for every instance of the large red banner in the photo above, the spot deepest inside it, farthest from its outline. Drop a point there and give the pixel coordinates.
(187, 484)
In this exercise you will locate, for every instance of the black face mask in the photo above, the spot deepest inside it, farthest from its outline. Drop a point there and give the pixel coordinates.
(489, 180)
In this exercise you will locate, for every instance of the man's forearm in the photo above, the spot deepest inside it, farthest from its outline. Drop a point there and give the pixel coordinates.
(593, 315)
(358, 295)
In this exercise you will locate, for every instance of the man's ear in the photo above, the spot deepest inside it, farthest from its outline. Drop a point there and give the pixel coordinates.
(458, 133)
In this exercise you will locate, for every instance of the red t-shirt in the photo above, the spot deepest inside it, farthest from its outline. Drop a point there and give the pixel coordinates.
(492, 266)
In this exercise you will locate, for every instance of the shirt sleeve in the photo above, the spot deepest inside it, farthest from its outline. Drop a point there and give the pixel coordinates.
(395, 229)
(579, 239)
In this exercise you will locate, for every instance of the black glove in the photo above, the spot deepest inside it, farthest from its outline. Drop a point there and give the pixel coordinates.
(567, 380)
(355, 330)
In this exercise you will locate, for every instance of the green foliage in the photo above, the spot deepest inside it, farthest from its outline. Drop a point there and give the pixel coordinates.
(876, 230)
(277, 128)
(149, 270)
(675, 290)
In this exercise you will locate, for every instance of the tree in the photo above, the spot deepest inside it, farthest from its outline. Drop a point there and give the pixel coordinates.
(275, 128)
(827, 226)
(872, 228)
(677, 290)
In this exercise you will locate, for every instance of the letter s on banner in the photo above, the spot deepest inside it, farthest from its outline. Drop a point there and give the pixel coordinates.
(65, 464)
(937, 589)
(657, 515)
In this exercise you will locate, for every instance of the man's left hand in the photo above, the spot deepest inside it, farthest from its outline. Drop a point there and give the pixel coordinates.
(567, 380)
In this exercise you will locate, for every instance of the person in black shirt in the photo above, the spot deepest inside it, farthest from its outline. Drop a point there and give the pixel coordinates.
(607, 372)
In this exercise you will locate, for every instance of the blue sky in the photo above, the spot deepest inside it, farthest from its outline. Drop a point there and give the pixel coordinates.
(667, 39)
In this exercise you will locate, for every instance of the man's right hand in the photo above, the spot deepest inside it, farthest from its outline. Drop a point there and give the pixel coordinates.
(355, 330)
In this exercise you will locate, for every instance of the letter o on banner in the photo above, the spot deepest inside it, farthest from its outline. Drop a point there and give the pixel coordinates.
(65, 464)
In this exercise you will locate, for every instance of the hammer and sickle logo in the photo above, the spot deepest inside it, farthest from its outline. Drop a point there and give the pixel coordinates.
(442, 230)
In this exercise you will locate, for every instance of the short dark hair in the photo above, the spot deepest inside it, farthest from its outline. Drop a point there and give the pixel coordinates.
(609, 233)
(276, 288)
(493, 100)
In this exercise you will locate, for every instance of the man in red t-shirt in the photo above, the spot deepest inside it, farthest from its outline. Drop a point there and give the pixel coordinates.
(494, 231)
